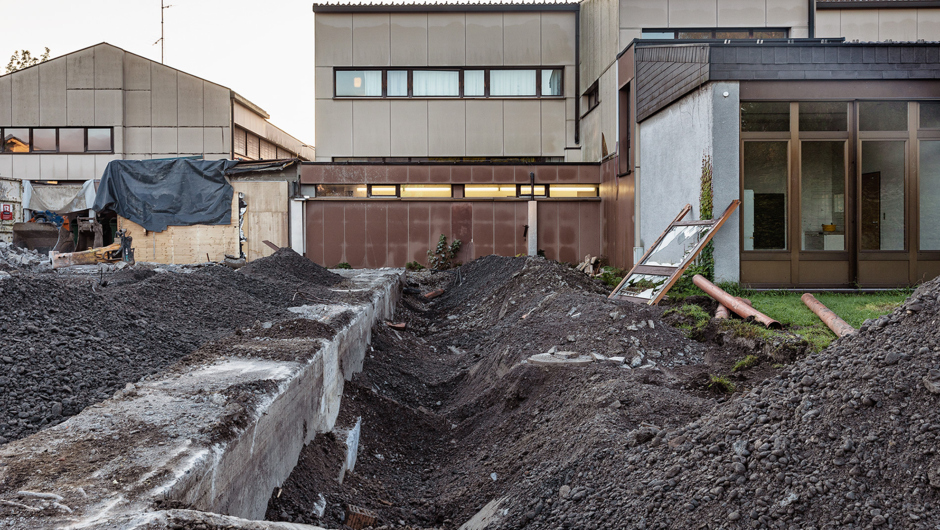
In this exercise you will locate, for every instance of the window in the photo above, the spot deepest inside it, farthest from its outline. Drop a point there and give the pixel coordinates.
(824, 116)
(930, 115)
(526, 191)
(764, 205)
(882, 116)
(572, 190)
(592, 97)
(241, 142)
(450, 82)
(383, 190)
(436, 83)
(341, 190)
(489, 190)
(716, 33)
(425, 190)
(765, 116)
(929, 194)
(56, 140)
(268, 150)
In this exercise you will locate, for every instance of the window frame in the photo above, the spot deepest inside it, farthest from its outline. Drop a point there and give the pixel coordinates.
(714, 31)
(461, 90)
(58, 141)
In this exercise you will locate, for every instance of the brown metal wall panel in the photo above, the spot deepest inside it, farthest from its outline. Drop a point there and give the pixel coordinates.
(521, 174)
(589, 235)
(341, 174)
(460, 175)
(440, 222)
(354, 247)
(419, 174)
(334, 240)
(398, 229)
(569, 226)
(546, 174)
(481, 174)
(548, 229)
(765, 272)
(440, 174)
(589, 174)
(376, 174)
(824, 272)
(419, 239)
(377, 235)
(312, 173)
(461, 215)
(521, 212)
(927, 270)
(314, 231)
(504, 229)
(567, 174)
(883, 273)
(482, 240)
(503, 174)
(398, 174)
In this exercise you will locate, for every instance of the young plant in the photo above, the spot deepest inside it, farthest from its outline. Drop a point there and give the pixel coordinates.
(414, 266)
(720, 384)
(745, 363)
(343, 265)
(443, 256)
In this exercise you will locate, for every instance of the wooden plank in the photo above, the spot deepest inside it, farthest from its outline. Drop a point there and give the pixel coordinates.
(261, 226)
(656, 270)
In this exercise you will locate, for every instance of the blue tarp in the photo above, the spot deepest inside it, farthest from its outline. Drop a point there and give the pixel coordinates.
(160, 193)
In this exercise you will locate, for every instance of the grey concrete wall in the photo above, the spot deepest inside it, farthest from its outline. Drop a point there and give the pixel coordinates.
(445, 127)
(879, 24)
(674, 142)
(726, 159)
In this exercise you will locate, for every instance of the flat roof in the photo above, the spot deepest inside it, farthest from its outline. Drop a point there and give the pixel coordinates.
(357, 6)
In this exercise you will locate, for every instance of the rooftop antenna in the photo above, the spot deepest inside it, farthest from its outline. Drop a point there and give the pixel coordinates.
(160, 40)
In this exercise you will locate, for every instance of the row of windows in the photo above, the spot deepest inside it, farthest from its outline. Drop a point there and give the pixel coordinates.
(456, 82)
(248, 145)
(57, 140)
(833, 116)
(728, 33)
(522, 191)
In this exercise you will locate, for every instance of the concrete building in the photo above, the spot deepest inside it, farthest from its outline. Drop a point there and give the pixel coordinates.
(662, 89)
(66, 118)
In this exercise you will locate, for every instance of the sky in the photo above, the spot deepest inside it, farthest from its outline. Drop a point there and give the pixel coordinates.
(262, 50)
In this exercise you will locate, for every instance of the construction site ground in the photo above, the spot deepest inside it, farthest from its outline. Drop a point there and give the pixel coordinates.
(459, 426)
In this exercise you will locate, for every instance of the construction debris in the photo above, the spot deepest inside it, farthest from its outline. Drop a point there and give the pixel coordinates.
(358, 518)
(433, 294)
(733, 303)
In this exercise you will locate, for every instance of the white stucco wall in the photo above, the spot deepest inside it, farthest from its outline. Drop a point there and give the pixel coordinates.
(669, 167)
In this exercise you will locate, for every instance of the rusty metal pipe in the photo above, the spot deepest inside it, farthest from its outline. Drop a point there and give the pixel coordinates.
(723, 312)
(838, 326)
(733, 303)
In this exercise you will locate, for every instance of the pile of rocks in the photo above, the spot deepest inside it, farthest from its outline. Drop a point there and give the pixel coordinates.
(14, 258)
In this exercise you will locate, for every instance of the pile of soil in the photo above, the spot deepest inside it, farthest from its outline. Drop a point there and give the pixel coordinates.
(73, 340)
(452, 420)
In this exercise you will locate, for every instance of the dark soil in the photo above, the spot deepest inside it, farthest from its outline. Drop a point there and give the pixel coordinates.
(72, 340)
(449, 402)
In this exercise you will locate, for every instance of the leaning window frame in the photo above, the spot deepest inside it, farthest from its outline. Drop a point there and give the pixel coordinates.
(460, 69)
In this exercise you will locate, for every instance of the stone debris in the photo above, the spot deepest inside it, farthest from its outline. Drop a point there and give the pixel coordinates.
(14, 258)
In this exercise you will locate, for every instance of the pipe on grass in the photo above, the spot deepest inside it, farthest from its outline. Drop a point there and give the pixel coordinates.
(724, 313)
(733, 303)
(838, 326)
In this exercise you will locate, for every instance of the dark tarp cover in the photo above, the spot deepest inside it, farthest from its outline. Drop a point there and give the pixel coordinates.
(159, 193)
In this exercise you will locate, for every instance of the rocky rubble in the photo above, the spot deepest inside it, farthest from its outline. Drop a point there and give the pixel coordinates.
(15, 258)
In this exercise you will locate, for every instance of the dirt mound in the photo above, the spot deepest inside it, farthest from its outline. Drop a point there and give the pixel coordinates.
(286, 262)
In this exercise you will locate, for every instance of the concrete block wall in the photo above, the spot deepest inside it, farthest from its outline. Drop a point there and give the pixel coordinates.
(908, 24)
(466, 127)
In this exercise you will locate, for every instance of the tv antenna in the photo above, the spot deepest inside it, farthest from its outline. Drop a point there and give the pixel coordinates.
(160, 40)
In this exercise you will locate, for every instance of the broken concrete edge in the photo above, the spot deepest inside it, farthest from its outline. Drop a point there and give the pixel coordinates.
(188, 518)
(164, 423)
(569, 358)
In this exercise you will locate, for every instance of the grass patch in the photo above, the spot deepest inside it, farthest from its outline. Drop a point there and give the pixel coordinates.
(745, 363)
(689, 317)
(718, 383)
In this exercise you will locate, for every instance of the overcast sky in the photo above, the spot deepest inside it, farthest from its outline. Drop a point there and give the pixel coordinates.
(262, 50)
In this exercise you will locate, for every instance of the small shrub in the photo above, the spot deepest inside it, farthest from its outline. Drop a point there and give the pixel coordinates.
(720, 384)
(745, 363)
(612, 276)
(414, 266)
(343, 265)
(442, 257)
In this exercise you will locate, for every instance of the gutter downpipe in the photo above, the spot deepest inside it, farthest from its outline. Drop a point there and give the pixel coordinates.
(577, 77)
(812, 19)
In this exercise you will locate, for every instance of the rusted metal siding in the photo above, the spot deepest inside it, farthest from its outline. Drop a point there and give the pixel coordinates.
(329, 173)
(390, 233)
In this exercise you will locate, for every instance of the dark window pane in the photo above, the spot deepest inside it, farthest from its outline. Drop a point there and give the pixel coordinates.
(15, 140)
(71, 140)
(99, 139)
(882, 195)
(359, 83)
(930, 115)
(824, 116)
(882, 116)
(44, 140)
(765, 116)
(770, 34)
(764, 205)
(696, 35)
(732, 35)
(822, 195)
(929, 195)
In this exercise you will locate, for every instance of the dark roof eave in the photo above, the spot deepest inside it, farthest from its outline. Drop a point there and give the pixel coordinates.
(440, 8)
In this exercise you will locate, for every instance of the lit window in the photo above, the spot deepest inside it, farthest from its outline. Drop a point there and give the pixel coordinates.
(578, 190)
(489, 190)
(424, 190)
(383, 191)
(526, 191)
